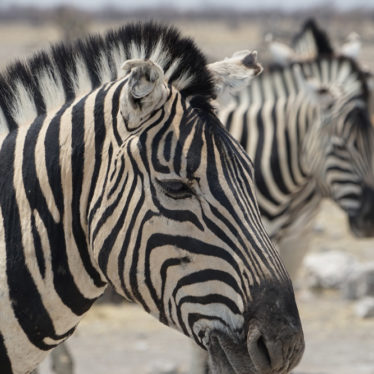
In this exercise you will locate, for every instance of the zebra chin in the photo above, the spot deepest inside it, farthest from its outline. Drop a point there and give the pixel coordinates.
(362, 222)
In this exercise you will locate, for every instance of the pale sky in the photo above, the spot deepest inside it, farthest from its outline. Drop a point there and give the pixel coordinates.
(195, 4)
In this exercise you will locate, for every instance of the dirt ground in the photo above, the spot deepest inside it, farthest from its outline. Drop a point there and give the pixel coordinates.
(123, 339)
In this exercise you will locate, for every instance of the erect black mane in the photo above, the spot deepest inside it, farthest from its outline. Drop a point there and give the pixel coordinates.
(100, 58)
(320, 37)
(354, 68)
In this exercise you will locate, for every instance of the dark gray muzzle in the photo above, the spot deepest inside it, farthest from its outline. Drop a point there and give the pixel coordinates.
(274, 342)
(362, 223)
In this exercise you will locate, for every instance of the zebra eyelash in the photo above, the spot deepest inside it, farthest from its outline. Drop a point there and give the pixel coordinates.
(175, 188)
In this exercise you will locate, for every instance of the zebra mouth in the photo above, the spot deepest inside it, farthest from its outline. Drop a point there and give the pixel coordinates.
(362, 226)
(227, 356)
(361, 229)
(361, 222)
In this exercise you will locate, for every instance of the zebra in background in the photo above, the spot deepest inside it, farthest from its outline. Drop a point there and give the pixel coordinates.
(115, 170)
(308, 131)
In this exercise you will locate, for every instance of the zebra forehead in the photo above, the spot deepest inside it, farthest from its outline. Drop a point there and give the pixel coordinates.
(53, 77)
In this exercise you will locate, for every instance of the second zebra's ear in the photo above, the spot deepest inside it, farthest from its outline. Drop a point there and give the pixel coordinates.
(145, 91)
(232, 74)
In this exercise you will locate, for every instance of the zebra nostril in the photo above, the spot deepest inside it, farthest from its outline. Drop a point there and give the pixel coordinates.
(258, 351)
(273, 354)
(261, 346)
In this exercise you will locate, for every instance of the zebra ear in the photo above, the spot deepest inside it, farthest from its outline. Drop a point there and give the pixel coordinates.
(144, 91)
(234, 73)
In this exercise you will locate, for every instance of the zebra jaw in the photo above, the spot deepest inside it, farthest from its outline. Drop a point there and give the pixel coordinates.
(144, 91)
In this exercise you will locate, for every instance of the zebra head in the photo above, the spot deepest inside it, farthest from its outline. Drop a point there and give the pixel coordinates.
(342, 153)
(176, 227)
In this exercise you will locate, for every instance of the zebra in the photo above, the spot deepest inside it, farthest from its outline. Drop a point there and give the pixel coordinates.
(116, 170)
(308, 130)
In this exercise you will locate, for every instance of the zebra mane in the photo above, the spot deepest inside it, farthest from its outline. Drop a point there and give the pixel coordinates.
(351, 67)
(52, 78)
(320, 38)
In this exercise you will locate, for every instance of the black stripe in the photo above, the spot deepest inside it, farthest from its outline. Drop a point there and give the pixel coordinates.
(206, 275)
(167, 146)
(38, 246)
(6, 104)
(212, 298)
(64, 59)
(157, 166)
(194, 153)
(228, 122)
(77, 162)
(260, 181)
(5, 365)
(275, 158)
(100, 133)
(244, 136)
(115, 107)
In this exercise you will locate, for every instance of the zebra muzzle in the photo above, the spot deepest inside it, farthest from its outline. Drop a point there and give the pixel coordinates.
(259, 354)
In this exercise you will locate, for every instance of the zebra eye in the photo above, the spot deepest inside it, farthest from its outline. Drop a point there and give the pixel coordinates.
(175, 188)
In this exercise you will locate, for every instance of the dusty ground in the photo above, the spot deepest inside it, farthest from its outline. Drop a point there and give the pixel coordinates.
(124, 340)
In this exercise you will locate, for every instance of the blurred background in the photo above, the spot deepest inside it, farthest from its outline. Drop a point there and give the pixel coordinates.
(120, 338)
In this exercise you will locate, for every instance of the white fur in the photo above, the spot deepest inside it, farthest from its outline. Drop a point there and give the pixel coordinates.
(52, 90)
(174, 65)
(81, 82)
(159, 55)
(23, 110)
(105, 73)
(3, 125)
